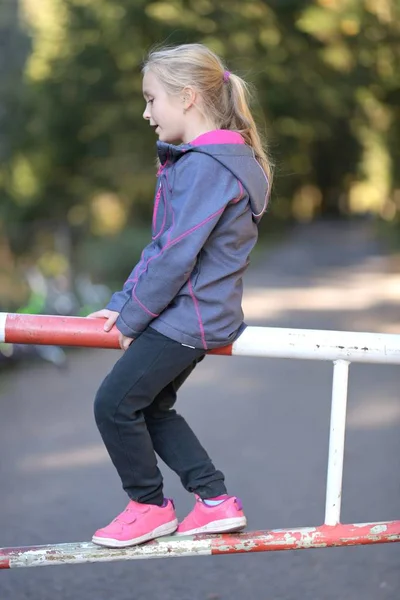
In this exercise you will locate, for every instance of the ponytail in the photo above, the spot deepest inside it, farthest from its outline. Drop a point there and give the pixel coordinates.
(242, 121)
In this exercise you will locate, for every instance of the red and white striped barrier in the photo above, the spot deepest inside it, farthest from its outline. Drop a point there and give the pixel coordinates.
(254, 341)
(203, 545)
(341, 347)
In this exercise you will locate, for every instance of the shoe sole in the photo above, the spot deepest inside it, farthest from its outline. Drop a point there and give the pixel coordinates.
(221, 526)
(160, 531)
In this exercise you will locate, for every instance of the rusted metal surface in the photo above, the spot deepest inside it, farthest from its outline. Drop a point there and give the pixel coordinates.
(203, 545)
(86, 552)
(324, 536)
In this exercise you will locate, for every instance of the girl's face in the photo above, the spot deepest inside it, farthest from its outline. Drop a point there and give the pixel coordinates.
(164, 112)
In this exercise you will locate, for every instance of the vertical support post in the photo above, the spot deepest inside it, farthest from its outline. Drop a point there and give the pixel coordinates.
(336, 442)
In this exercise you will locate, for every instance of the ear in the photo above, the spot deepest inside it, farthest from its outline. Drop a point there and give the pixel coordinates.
(188, 97)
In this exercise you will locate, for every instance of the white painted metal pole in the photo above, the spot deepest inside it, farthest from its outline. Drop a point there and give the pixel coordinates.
(3, 319)
(336, 442)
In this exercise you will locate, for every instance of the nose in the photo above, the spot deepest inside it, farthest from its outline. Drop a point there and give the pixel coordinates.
(146, 113)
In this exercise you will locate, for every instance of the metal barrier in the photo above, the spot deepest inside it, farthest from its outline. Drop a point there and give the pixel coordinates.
(341, 347)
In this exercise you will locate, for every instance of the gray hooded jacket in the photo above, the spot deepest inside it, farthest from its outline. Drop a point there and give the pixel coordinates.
(188, 285)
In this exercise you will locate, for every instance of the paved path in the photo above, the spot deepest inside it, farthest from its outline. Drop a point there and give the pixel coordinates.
(264, 421)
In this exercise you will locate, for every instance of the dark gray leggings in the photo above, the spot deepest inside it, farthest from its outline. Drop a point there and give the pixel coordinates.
(134, 414)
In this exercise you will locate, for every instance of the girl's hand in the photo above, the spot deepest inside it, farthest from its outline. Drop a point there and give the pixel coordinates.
(110, 315)
(124, 341)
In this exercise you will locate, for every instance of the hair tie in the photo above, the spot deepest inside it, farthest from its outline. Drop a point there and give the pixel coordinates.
(226, 76)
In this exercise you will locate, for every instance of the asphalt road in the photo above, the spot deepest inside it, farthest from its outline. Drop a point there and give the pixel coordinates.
(265, 423)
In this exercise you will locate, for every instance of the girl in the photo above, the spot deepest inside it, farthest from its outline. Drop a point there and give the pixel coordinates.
(184, 296)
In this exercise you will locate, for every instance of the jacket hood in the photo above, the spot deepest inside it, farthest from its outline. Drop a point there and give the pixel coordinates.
(229, 149)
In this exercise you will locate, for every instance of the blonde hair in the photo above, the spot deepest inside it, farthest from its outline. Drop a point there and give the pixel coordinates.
(225, 96)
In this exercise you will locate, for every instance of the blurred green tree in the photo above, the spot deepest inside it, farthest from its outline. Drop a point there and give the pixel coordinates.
(328, 86)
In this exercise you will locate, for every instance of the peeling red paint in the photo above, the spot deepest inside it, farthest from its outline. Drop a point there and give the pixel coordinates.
(205, 545)
(4, 561)
(315, 537)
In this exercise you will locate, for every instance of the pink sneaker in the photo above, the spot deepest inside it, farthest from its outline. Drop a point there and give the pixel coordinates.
(227, 516)
(136, 524)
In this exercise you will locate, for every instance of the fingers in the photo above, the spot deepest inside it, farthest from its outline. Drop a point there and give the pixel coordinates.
(112, 316)
(111, 321)
(105, 313)
(124, 342)
(98, 313)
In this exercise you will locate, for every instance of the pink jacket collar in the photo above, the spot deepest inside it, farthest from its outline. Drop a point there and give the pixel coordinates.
(218, 136)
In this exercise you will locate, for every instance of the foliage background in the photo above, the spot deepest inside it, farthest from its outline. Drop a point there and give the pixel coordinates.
(77, 159)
